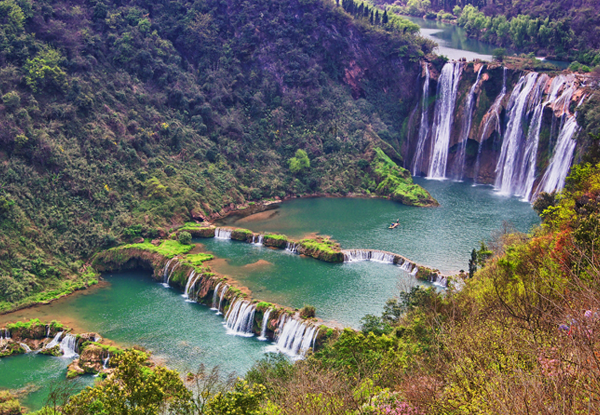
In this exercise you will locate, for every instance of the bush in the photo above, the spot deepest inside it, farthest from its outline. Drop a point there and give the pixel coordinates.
(499, 54)
(308, 311)
(184, 238)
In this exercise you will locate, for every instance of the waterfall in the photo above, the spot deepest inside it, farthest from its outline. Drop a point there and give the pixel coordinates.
(406, 266)
(4, 335)
(54, 341)
(25, 347)
(223, 233)
(166, 270)
(189, 284)
(295, 338)
(442, 119)
(424, 127)
(223, 291)
(265, 323)
(560, 163)
(511, 144)
(466, 130)
(105, 362)
(355, 255)
(291, 247)
(48, 330)
(240, 318)
(493, 114)
(214, 299)
(440, 281)
(177, 264)
(257, 239)
(68, 345)
(414, 271)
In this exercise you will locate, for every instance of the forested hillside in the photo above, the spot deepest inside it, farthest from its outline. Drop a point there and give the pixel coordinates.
(563, 29)
(120, 119)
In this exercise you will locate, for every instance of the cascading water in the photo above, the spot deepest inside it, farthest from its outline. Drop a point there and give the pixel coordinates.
(223, 233)
(223, 291)
(466, 129)
(166, 270)
(492, 118)
(68, 345)
(406, 266)
(265, 323)
(189, 284)
(177, 264)
(442, 119)
(414, 271)
(214, 299)
(424, 126)
(25, 347)
(560, 163)
(54, 341)
(291, 247)
(48, 330)
(295, 338)
(511, 144)
(356, 255)
(105, 362)
(257, 239)
(240, 318)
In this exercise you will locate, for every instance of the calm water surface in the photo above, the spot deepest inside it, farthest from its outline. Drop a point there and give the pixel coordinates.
(441, 237)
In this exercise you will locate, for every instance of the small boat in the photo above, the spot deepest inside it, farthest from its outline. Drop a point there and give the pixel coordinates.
(393, 225)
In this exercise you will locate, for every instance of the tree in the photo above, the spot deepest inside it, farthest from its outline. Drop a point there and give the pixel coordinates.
(499, 54)
(384, 19)
(184, 238)
(134, 389)
(300, 162)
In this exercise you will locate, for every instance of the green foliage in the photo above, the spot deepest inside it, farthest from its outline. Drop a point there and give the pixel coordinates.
(134, 389)
(9, 404)
(299, 162)
(498, 54)
(308, 311)
(43, 71)
(198, 259)
(184, 238)
(167, 248)
(243, 399)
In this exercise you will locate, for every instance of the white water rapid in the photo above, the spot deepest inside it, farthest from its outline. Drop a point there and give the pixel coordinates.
(295, 338)
(223, 233)
(240, 318)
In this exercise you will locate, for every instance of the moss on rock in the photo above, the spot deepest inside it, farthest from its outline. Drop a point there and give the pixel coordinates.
(242, 235)
(275, 240)
(322, 249)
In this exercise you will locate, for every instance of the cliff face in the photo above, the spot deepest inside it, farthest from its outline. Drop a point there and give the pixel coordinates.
(505, 125)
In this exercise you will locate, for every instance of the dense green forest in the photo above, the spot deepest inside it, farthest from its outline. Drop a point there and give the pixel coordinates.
(560, 29)
(121, 119)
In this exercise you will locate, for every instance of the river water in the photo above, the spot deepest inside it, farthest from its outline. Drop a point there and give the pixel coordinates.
(130, 309)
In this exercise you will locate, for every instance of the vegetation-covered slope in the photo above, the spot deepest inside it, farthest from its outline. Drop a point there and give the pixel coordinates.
(121, 118)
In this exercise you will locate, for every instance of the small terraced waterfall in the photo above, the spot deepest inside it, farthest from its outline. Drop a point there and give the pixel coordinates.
(166, 270)
(239, 318)
(214, 299)
(265, 323)
(54, 341)
(466, 129)
(442, 119)
(355, 255)
(4, 335)
(25, 347)
(177, 264)
(223, 291)
(189, 284)
(492, 120)
(68, 345)
(423, 127)
(222, 233)
(291, 247)
(295, 338)
(257, 239)
(105, 362)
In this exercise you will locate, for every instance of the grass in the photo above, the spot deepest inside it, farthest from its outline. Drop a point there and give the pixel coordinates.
(168, 248)
(324, 245)
(276, 236)
(198, 259)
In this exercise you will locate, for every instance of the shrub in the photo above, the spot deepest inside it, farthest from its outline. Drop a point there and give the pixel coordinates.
(308, 311)
(184, 238)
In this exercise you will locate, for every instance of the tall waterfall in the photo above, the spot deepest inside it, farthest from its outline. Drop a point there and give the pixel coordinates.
(511, 144)
(466, 129)
(492, 119)
(265, 323)
(424, 126)
(223, 291)
(355, 255)
(442, 119)
(223, 233)
(68, 345)
(295, 337)
(214, 299)
(240, 318)
(554, 178)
